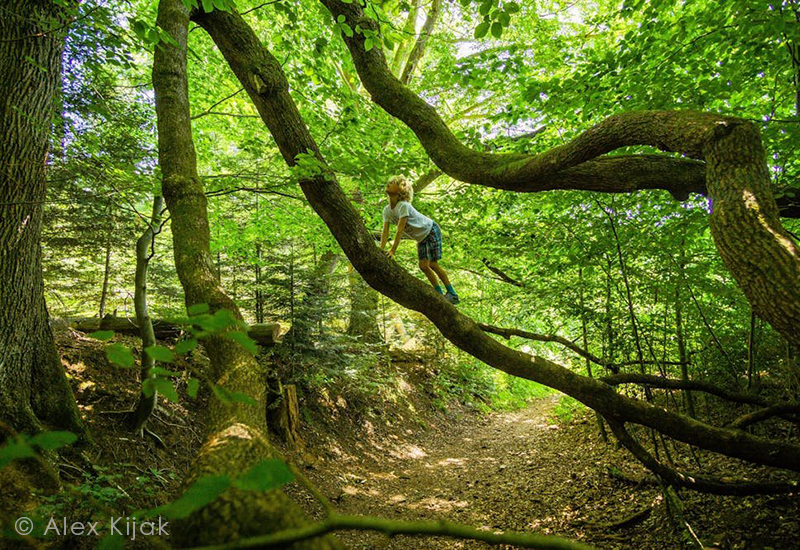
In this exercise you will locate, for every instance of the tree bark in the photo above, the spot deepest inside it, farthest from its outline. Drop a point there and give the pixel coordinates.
(146, 404)
(236, 434)
(106, 274)
(262, 76)
(34, 392)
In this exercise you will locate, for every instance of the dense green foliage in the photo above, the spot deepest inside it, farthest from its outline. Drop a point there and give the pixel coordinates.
(506, 77)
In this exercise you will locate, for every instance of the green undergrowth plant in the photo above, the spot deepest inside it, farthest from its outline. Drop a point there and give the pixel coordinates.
(566, 409)
(472, 383)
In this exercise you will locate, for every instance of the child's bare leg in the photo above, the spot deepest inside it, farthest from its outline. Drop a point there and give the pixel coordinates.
(439, 270)
(425, 266)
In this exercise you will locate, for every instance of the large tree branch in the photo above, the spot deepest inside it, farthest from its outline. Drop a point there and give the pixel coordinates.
(263, 78)
(700, 483)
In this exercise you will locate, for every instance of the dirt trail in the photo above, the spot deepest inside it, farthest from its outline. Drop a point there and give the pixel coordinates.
(494, 472)
(527, 471)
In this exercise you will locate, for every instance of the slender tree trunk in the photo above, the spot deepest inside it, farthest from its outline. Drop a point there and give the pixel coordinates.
(600, 425)
(422, 41)
(106, 272)
(236, 434)
(409, 30)
(683, 357)
(259, 307)
(146, 405)
(34, 392)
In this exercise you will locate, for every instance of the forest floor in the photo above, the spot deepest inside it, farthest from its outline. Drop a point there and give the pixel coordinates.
(407, 453)
(529, 470)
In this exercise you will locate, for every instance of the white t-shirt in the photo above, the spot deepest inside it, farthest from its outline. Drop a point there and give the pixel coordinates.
(417, 225)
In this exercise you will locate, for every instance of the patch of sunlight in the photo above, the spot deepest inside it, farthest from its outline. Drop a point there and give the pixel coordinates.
(438, 504)
(234, 431)
(452, 462)
(74, 367)
(341, 402)
(404, 386)
(350, 490)
(85, 385)
(751, 202)
(398, 499)
(383, 475)
(410, 452)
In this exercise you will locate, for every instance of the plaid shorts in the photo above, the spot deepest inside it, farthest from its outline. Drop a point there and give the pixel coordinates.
(430, 248)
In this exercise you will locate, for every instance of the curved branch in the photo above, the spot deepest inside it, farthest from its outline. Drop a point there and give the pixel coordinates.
(653, 381)
(509, 332)
(263, 78)
(704, 484)
(393, 528)
(765, 414)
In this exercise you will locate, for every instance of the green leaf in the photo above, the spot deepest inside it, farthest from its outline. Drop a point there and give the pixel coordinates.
(192, 386)
(53, 440)
(368, 44)
(148, 387)
(102, 335)
(243, 340)
(208, 6)
(341, 18)
(482, 29)
(228, 396)
(202, 492)
(120, 355)
(497, 29)
(165, 388)
(197, 309)
(15, 449)
(511, 7)
(160, 353)
(185, 346)
(485, 7)
(266, 475)
(347, 30)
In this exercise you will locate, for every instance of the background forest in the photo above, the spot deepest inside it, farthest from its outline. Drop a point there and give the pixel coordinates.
(631, 281)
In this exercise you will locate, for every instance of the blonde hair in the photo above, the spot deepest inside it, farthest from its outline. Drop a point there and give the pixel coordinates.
(405, 188)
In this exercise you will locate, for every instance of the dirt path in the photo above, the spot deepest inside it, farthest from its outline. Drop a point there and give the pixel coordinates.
(526, 471)
(485, 472)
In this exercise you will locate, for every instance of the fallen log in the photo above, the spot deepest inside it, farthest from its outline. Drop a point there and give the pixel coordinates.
(265, 334)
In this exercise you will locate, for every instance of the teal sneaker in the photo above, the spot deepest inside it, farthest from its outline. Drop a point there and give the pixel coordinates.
(452, 298)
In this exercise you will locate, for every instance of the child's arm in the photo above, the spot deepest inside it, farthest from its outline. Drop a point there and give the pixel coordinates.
(384, 235)
(400, 226)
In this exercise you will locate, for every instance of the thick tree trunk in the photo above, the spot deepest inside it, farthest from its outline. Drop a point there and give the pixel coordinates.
(34, 392)
(236, 434)
(262, 76)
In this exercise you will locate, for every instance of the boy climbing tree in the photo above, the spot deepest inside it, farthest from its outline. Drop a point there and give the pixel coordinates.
(418, 227)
